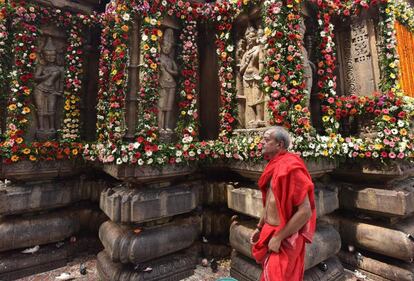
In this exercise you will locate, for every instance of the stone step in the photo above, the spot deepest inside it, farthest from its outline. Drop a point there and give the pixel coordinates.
(389, 240)
(28, 231)
(127, 205)
(245, 269)
(123, 243)
(326, 242)
(248, 201)
(386, 268)
(14, 265)
(169, 268)
(31, 197)
(396, 200)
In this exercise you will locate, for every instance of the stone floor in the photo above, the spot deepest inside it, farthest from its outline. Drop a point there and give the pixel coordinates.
(201, 273)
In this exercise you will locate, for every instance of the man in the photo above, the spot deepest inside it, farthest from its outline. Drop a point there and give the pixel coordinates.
(288, 218)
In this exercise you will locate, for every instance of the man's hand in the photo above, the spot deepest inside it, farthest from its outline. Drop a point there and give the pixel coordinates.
(274, 244)
(255, 236)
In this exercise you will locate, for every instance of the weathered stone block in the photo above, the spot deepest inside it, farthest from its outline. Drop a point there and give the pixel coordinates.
(216, 223)
(386, 268)
(42, 170)
(170, 268)
(123, 204)
(326, 242)
(245, 269)
(254, 170)
(145, 174)
(26, 198)
(14, 265)
(389, 240)
(398, 200)
(124, 245)
(248, 201)
(214, 193)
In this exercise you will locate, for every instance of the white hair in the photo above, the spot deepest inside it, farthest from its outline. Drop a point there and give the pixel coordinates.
(281, 134)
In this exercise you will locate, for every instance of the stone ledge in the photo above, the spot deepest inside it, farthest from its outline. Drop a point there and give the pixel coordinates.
(123, 245)
(146, 174)
(396, 200)
(42, 170)
(245, 269)
(248, 201)
(388, 240)
(25, 198)
(170, 268)
(385, 268)
(326, 242)
(123, 204)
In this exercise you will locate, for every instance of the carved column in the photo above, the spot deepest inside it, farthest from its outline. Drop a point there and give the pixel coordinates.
(133, 81)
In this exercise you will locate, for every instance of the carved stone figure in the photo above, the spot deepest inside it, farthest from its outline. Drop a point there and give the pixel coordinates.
(49, 78)
(169, 71)
(241, 99)
(250, 67)
(308, 66)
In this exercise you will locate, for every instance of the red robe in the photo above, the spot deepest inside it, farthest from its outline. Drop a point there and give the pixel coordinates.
(290, 182)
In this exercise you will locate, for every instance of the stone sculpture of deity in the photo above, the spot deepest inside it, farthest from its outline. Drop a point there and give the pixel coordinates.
(250, 67)
(308, 66)
(241, 99)
(168, 85)
(49, 77)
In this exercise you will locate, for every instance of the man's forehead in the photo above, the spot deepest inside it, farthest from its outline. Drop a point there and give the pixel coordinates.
(268, 133)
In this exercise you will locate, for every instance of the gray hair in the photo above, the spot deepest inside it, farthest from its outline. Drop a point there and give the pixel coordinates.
(281, 134)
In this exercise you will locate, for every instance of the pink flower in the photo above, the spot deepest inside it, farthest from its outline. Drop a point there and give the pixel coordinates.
(392, 155)
(400, 155)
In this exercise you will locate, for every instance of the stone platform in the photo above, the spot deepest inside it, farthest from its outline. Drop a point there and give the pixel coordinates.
(169, 268)
(136, 245)
(245, 269)
(133, 205)
(326, 242)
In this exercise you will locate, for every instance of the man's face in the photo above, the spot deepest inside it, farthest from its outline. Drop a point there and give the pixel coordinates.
(270, 146)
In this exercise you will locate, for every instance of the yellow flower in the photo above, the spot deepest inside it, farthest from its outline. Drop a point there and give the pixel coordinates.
(14, 158)
(361, 155)
(159, 32)
(267, 31)
(12, 106)
(325, 152)
(27, 91)
(26, 110)
(386, 118)
(26, 150)
(330, 112)
(392, 65)
(332, 135)
(147, 19)
(67, 107)
(325, 118)
(298, 107)
(403, 132)
(32, 158)
(378, 146)
(32, 56)
(19, 140)
(153, 66)
(146, 47)
(154, 37)
(74, 151)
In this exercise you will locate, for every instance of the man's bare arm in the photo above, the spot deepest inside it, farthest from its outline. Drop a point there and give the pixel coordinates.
(298, 220)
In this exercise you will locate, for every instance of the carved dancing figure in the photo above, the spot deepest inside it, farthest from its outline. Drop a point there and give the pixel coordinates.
(49, 79)
(250, 67)
(169, 71)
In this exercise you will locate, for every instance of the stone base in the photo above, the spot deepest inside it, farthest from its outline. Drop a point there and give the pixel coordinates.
(14, 265)
(42, 170)
(326, 242)
(216, 223)
(245, 269)
(123, 244)
(146, 174)
(248, 201)
(214, 193)
(28, 231)
(388, 269)
(127, 205)
(170, 268)
(27, 198)
(254, 170)
(388, 240)
(396, 200)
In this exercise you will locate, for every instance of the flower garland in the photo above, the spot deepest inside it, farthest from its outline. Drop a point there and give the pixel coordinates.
(4, 46)
(404, 13)
(25, 19)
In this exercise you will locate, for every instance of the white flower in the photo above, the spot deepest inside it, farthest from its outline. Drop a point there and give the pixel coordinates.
(118, 161)
(148, 153)
(178, 153)
(149, 161)
(126, 17)
(140, 162)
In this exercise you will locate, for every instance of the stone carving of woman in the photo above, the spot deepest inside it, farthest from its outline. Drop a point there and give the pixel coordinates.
(169, 71)
(250, 67)
(308, 66)
(241, 99)
(49, 87)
